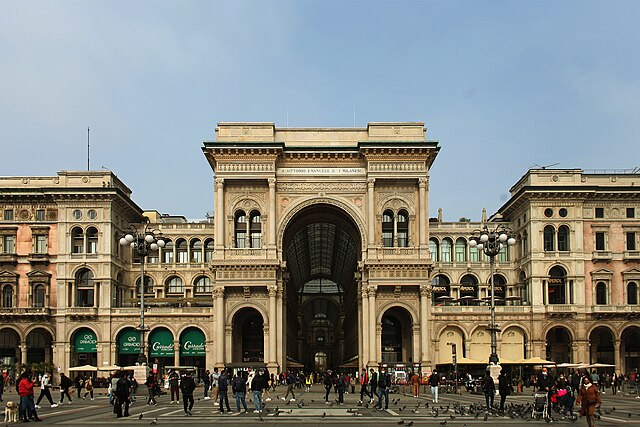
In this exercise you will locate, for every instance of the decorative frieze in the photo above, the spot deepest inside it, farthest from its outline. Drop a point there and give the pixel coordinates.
(327, 187)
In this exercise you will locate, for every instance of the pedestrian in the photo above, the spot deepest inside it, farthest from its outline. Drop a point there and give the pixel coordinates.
(151, 384)
(328, 383)
(504, 388)
(239, 388)
(223, 388)
(257, 386)
(134, 387)
(266, 384)
(434, 383)
(341, 385)
(88, 386)
(614, 384)
(187, 386)
(79, 384)
(307, 382)
(364, 386)
(122, 395)
(291, 381)
(65, 385)
(27, 408)
(384, 382)
(214, 386)
(489, 389)
(206, 384)
(415, 382)
(174, 386)
(545, 382)
(373, 381)
(352, 383)
(2, 379)
(589, 400)
(45, 391)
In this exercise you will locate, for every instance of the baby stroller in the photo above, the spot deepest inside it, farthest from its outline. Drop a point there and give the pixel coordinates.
(540, 405)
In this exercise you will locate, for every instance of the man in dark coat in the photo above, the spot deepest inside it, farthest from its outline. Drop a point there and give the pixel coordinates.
(187, 385)
(123, 388)
(504, 388)
(223, 388)
(489, 389)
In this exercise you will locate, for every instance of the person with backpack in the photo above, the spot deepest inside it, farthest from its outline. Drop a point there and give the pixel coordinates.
(187, 386)
(122, 390)
(151, 384)
(65, 385)
(88, 386)
(384, 382)
(45, 391)
(434, 383)
(239, 388)
(223, 388)
(174, 386)
(291, 382)
(489, 389)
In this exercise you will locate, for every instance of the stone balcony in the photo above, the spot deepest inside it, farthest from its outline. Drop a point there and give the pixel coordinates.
(25, 312)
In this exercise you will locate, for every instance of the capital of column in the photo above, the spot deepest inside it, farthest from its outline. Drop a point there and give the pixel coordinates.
(371, 182)
(272, 182)
(272, 290)
(218, 292)
(371, 290)
(422, 182)
(425, 291)
(219, 182)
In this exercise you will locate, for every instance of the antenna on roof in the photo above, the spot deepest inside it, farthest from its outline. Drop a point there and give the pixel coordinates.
(544, 167)
(88, 169)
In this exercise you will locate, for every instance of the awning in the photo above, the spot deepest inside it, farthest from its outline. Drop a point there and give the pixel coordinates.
(84, 368)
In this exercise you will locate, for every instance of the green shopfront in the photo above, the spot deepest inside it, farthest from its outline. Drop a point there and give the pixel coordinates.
(84, 350)
(193, 347)
(161, 351)
(128, 347)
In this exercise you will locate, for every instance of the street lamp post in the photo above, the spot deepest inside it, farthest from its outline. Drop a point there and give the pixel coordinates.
(491, 243)
(142, 242)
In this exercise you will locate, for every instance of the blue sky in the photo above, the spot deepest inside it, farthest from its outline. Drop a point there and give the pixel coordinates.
(502, 85)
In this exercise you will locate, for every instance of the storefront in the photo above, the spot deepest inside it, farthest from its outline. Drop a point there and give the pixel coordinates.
(161, 350)
(84, 351)
(128, 347)
(193, 346)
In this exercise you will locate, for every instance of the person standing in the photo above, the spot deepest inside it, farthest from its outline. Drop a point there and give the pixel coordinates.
(589, 400)
(373, 381)
(415, 382)
(364, 386)
(504, 388)
(206, 384)
(223, 388)
(341, 384)
(187, 386)
(614, 383)
(434, 383)
(122, 390)
(88, 386)
(1, 386)
(45, 391)
(239, 388)
(214, 386)
(257, 385)
(545, 382)
(174, 386)
(489, 389)
(65, 385)
(384, 382)
(151, 384)
(266, 384)
(307, 382)
(327, 381)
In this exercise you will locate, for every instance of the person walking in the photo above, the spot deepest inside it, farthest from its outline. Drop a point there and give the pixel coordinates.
(121, 394)
(239, 388)
(415, 382)
(45, 391)
(384, 382)
(504, 388)
(489, 389)
(373, 382)
(214, 386)
(88, 386)
(266, 384)
(206, 384)
(223, 388)
(364, 386)
(589, 400)
(187, 386)
(545, 382)
(79, 384)
(25, 391)
(434, 383)
(328, 383)
(291, 381)
(614, 384)
(174, 386)
(151, 384)
(307, 382)
(65, 385)
(257, 386)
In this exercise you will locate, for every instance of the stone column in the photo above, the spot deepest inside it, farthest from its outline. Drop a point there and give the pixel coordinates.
(74, 290)
(23, 352)
(415, 331)
(365, 327)
(280, 330)
(219, 325)
(616, 354)
(425, 331)
(371, 217)
(273, 315)
(272, 214)
(373, 342)
(176, 352)
(423, 214)
(219, 215)
(266, 347)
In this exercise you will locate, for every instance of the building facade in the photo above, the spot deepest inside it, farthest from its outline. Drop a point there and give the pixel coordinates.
(320, 254)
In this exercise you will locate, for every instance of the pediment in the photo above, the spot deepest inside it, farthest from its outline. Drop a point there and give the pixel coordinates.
(632, 273)
(601, 272)
(38, 275)
(6, 276)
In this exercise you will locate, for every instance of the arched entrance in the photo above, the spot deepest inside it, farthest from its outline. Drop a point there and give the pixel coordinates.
(321, 246)
(630, 348)
(248, 337)
(9, 349)
(84, 350)
(559, 345)
(161, 349)
(193, 349)
(39, 348)
(601, 346)
(128, 342)
(396, 340)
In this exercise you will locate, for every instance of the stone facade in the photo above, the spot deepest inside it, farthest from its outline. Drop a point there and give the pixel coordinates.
(321, 253)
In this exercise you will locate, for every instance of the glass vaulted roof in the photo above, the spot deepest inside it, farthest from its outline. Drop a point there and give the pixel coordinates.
(321, 258)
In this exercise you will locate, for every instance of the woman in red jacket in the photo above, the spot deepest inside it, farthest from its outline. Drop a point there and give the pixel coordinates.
(27, 404)
(589, 400)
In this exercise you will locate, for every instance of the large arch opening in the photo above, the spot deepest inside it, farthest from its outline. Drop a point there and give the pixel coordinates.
(248, 338)
(322, 247)
(559, 345)
(630, 348)
(397, 338)
(601, 346)
(39, 346)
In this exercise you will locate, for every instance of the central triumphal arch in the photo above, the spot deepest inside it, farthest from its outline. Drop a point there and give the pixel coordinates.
(321, 246)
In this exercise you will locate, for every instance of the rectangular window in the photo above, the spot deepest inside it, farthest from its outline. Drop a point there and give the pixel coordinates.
(599, 212)
(387, 239)
(182, 257)
(168, 256)
(196, 256)
(9, 244)
(631, 212)
(631, 241)
(460, 253)
(256, 240)
(600, 241)
(8, 214)
(403, 240)
(41, 244)
(40, 214)
(503, 256)
(473, 255)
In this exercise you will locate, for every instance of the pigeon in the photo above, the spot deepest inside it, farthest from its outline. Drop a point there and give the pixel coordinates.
(400, 422)
(444, 423)
(409, 424)
(452, 417)
(485, 417)
(154, 421)
(140, 416)
(324, 414)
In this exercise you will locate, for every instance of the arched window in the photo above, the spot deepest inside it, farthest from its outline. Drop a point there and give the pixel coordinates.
(39, 295)
(391, 339)
(167, 252)
(203, 285)
(557, 285)
(563, 238)
(7, 296)
(175, 285)
(447, 249)
(500, 289)
(77, 240)
(148, 285)
(525, 242)
(440, 286)
(92, 240)
(387, 229)
(461, 250)
(241, 229)
(632, 293)
(84, 288)
(255, 230)
(434, 249)
(182, 256)
(469, 290)
(403, 229)
(524, 287)
(208, 250)
(549, 238)
(601, 293)
(196, 251)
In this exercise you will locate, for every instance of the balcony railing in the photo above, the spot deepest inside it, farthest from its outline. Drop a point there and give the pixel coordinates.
(246, 252)
(631, 256)
(25, 311)
(391, 253)
(8, 258)
(601, 255)
(38, 258)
